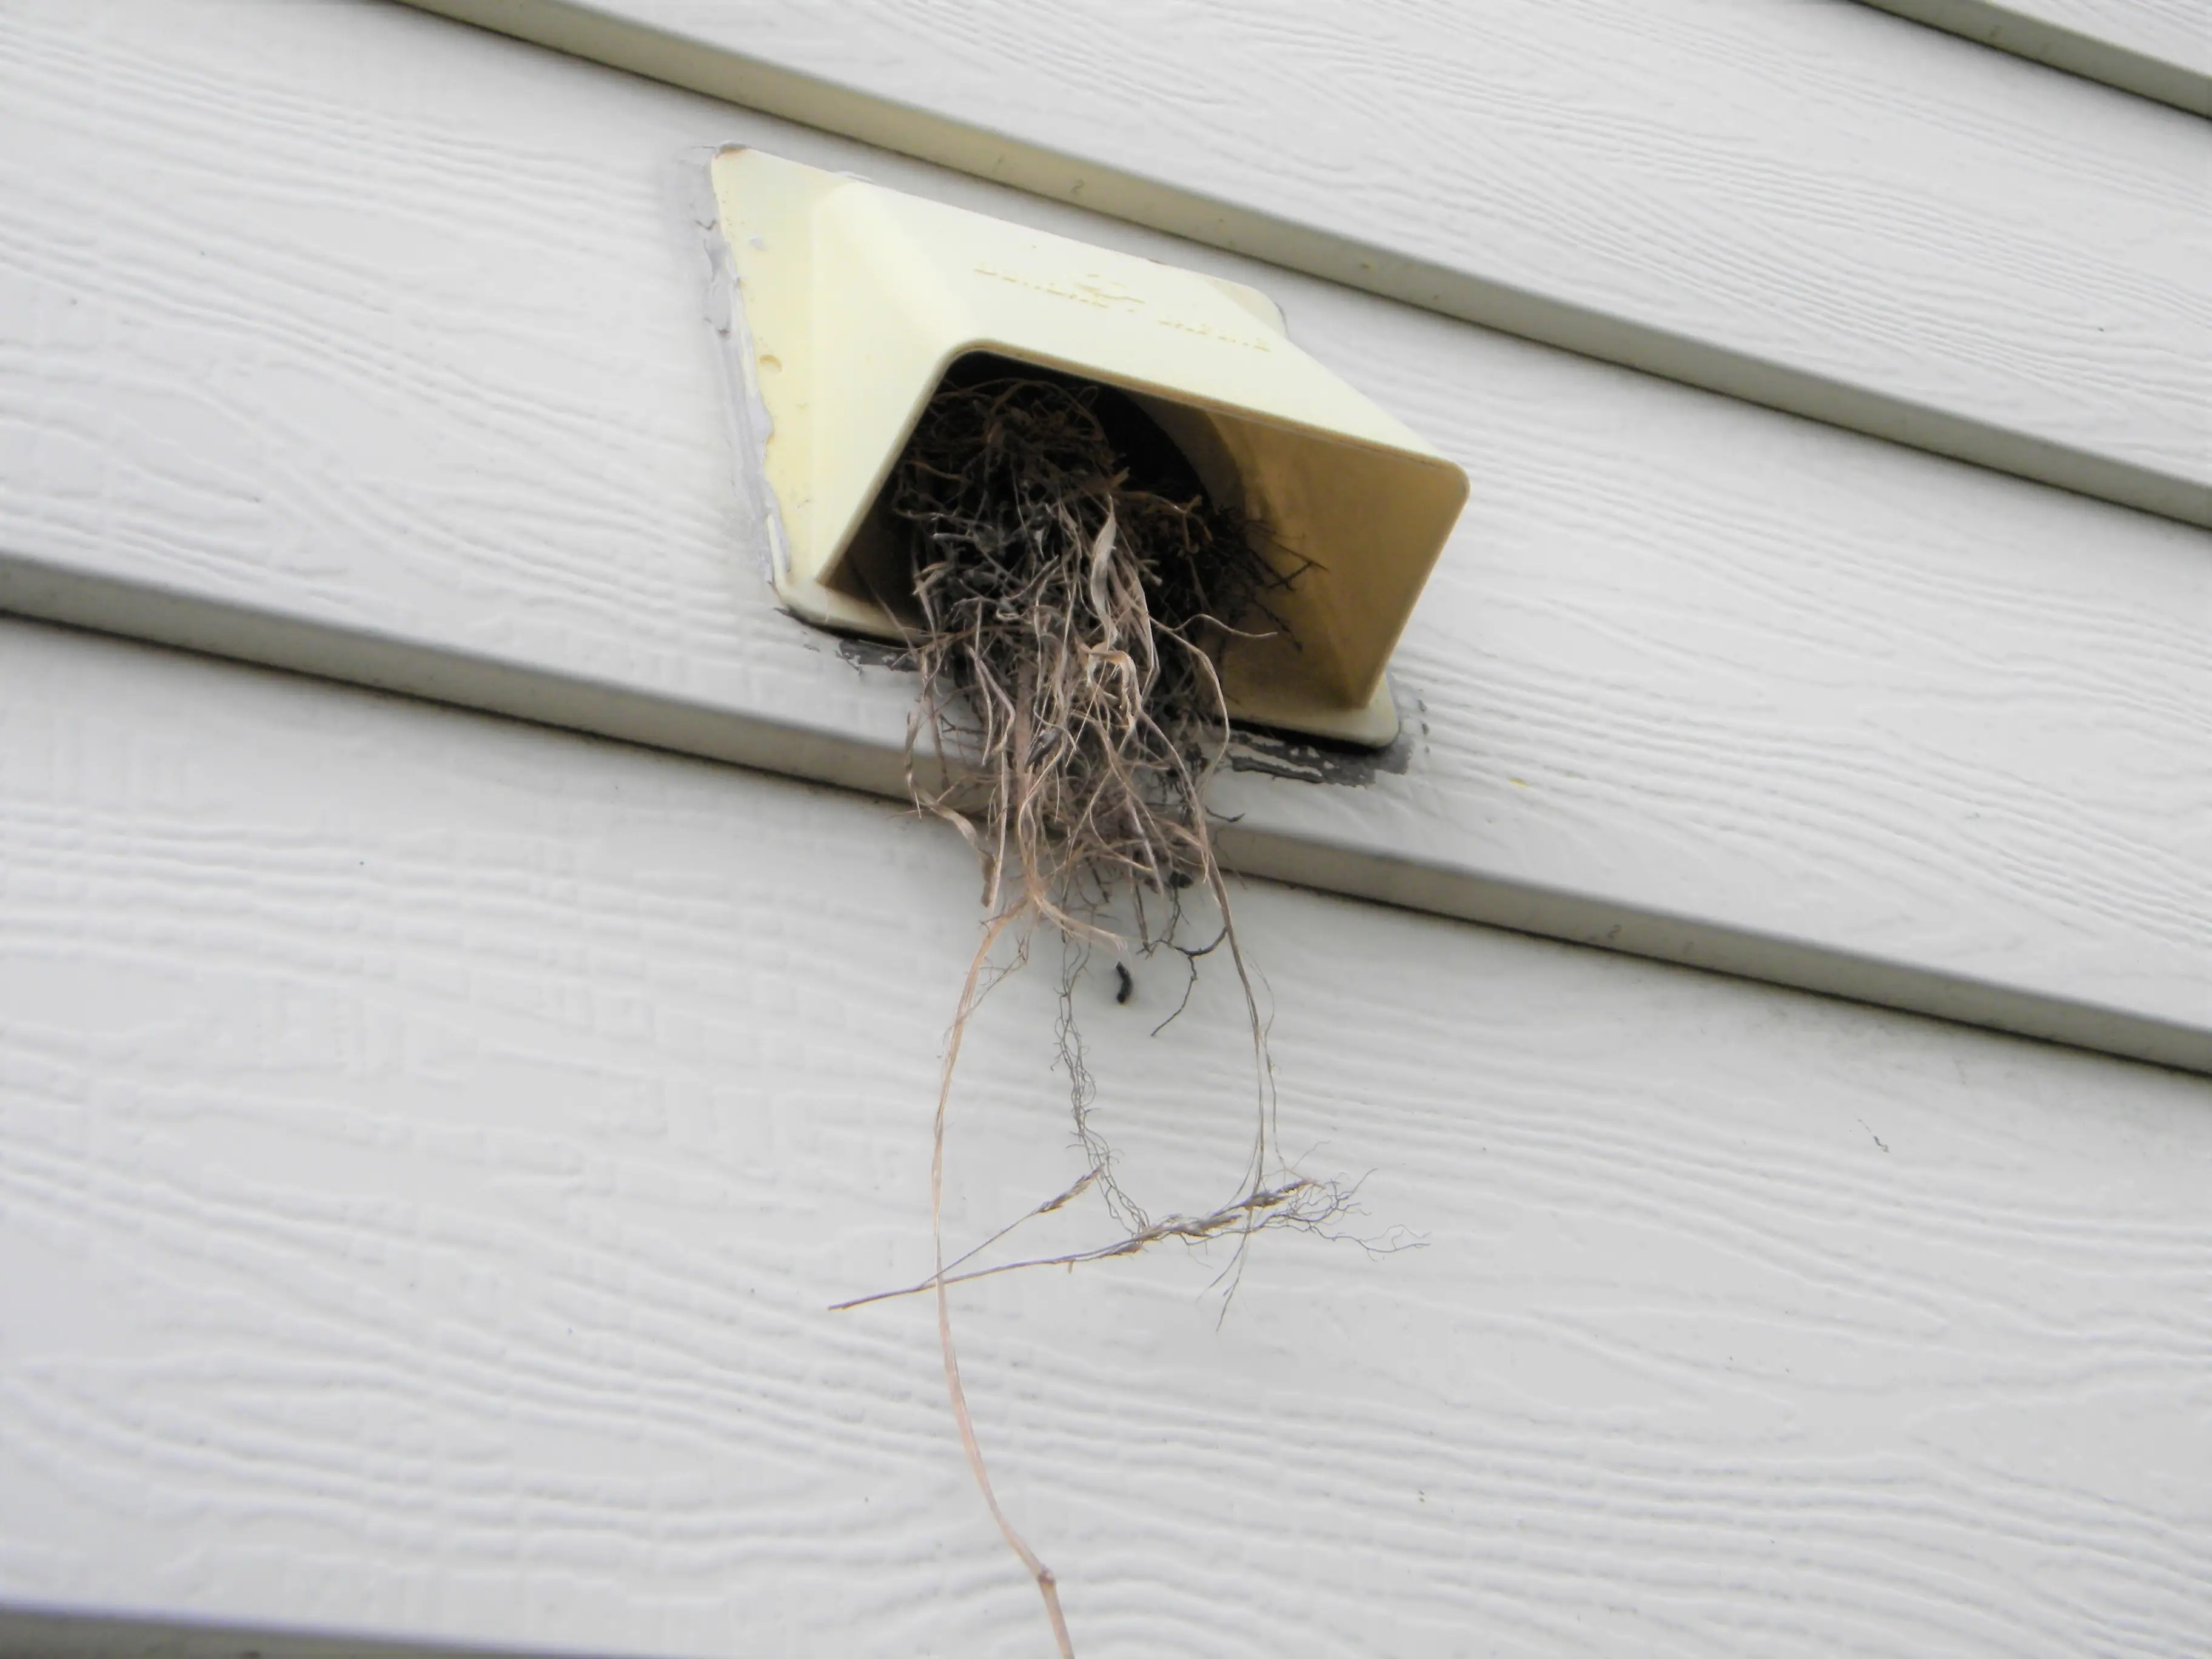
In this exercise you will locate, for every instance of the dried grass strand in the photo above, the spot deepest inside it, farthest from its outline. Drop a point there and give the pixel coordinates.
(1047, 1586)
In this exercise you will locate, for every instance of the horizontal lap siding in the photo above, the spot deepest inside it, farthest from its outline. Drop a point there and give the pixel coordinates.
(2176, 30)
(2158, 49)
(1810, 206)
(430, 1143)
(384, 356)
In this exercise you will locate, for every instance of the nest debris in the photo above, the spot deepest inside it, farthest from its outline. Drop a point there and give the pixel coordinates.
(1076, 592)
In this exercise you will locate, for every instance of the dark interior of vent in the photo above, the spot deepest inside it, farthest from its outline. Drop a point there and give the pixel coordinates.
(878, 565)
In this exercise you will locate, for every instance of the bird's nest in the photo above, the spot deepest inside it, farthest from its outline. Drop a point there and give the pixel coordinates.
(1074, 594)
(1077, 591)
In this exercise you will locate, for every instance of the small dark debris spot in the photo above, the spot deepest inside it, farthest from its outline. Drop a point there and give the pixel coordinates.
(1125, 986)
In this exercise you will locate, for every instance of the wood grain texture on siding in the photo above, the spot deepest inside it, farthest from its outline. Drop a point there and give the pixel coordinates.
(2158, 49)
(396, 369)
(427, 1146)
(1804, 204)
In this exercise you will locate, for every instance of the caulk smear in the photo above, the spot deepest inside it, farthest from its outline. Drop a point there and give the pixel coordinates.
(747, 424)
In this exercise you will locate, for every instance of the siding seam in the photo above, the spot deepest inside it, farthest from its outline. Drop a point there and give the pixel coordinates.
(976, 151)
(2002, 28)
(44, 591)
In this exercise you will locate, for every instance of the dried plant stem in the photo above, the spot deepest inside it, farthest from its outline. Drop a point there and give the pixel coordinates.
(1047, 1586)
(1189, 1229)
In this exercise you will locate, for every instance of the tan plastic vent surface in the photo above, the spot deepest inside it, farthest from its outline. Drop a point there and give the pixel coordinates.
(857, 299)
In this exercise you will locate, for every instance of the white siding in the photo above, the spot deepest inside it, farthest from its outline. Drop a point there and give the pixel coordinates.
(431, 1143)
(391, 364)
(2158, 49)
(428, 1142)
(1810, 205)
